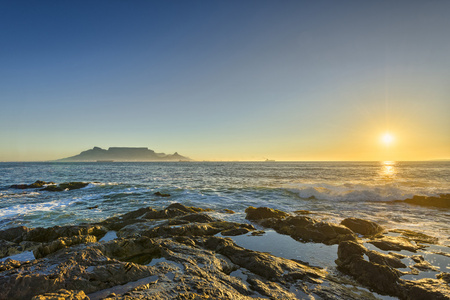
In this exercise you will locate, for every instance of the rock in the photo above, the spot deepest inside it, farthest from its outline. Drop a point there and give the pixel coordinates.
(235, 231)
(423, 265)
(195, 229)
(416, 236)
(93, 207)
(36, 184)
(61, 243)
(62, 295)
(161, 194)
(228, 211)
(45, 235)
(364, 227)
(65, 186)
(306, 229)
(423, 289)
(9, 248)
(385, 259)
(444, 276)
(14, 234)
(443, 201)
(259, 213)
(387, 243)
(381, 278)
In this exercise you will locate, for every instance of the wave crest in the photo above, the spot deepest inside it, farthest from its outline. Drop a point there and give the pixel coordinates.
(357, 192)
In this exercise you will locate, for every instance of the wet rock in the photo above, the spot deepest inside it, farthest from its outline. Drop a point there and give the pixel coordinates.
(145, 214)
(65, 186)
(45, 235)
(228, 211)
(35, 185)
(9, 248)
(262, 264)
(61, 243)
(388, 243)
(62, 295)
(272, 290)
(302, 212)
(259, 213)
(14, 234)
(75, 268)
(381, 278)
(306, 229)
(364, 227)
(161, 194)
(385, 259)
(323, 232)
(235, 231)
(424, 289)
(423, 265)
(398, 255)
(195, 229)
(443, 201)
(444, 276)
(416, 236)
(93, 207)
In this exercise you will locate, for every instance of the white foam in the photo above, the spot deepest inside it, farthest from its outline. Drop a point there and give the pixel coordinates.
(94, 184)
(23, 209)
(356, 192)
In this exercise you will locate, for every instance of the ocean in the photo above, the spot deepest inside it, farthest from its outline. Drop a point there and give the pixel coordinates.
(332, 191)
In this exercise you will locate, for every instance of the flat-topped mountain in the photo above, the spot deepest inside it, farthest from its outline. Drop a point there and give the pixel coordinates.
(124, 154)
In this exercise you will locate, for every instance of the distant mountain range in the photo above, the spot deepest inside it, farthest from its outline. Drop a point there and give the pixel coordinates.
(123, 154)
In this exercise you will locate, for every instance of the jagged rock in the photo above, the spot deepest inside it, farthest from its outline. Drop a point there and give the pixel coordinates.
(443, 201)
(423, 265)
(383, 278)
(387, 243)
(306, 229)
(35, 185)
(235, 231)
(444, 276)
(81, 268)
(14, 234)
(65, 186)
(424, 289)
(62, 295)
(9, 248)
(259, 213)
(61, 243)
(416, 236)
(385, 259)
(161, 194)
(195, 229)
(45, 235)
(178, 256)
(351, 260)
(364, 227)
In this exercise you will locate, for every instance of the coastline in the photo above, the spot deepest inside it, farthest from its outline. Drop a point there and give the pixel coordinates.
(187, 253)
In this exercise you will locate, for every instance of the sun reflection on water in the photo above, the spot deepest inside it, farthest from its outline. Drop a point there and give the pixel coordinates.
(388, 169)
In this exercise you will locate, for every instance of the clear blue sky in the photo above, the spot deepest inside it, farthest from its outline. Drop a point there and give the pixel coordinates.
(226, 80)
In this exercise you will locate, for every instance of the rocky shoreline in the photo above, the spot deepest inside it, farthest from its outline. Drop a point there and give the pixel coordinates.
(183, 252)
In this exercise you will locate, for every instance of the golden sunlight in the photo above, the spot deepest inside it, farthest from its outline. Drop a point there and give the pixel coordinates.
(387, 138)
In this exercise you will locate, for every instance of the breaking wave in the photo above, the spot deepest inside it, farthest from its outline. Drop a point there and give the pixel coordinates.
(359, 192)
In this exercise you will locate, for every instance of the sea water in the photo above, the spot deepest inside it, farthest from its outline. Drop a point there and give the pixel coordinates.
(330, 191)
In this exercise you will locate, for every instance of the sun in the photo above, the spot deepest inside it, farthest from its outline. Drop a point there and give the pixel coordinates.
(387, 138)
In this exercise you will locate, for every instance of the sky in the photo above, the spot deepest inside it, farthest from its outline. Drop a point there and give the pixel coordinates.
(226, 80)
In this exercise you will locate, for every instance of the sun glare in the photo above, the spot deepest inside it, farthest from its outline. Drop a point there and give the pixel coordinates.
(387, 139)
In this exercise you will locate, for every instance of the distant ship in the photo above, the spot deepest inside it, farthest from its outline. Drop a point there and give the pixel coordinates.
(270, 160)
